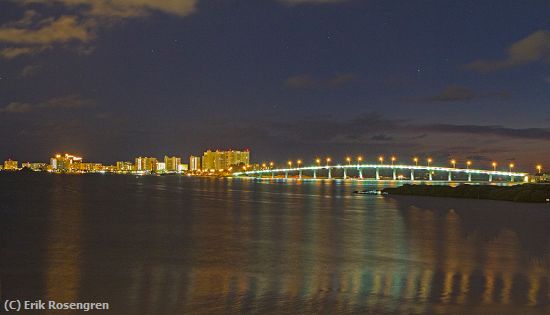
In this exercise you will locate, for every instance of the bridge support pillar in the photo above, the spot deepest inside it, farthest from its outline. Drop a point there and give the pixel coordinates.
(272, 175)
(490, 178)
(329, 173)
(450, 176)
(286, 175)
(314, 174)
(360, 173)
(300, 174)
(512, 178)
(394, 174)
(412, 175)
(377, 174)
(345, 174)
(469, 177)
(431, 176)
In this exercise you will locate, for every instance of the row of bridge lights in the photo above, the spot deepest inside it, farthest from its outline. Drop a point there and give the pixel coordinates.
(393, 160)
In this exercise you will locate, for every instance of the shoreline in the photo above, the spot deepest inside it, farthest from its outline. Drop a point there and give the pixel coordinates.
(526, 193)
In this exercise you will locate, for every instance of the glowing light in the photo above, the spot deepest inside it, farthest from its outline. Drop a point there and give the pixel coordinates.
(359, 158)
(453, 162)
(381, 159)
(539, 168)
(415, 161)
(494, 164)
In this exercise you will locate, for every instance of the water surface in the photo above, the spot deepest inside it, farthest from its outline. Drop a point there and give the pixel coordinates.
(178, 245)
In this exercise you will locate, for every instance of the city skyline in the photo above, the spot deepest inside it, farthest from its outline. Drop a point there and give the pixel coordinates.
(227, 161)
(112, 79)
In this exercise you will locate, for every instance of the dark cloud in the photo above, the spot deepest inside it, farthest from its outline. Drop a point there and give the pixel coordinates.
(457, 93)
(381, 137)
(371, 127)
(65, 102)
(533, 48)
(303, 81)
(341, 79)
(310, 2)
(307, 81)
(526, 133)
(29, 71)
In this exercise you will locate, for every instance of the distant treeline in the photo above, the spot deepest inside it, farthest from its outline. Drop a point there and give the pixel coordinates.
(518, 193)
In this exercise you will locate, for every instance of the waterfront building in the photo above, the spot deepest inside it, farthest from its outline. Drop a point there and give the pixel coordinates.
(11, 165)
(37, 167)
(183, 168)
(542, 178)
(195, 163)
(172, 163)
(146, 164)
(110, 168)
(66, 163)
(91, 167)
(124, 166)
(161, 167)
(222, 160)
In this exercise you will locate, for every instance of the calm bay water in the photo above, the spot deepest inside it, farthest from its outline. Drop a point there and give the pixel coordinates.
(177, 245)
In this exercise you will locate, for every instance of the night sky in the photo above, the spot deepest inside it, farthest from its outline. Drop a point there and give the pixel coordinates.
(115, 79)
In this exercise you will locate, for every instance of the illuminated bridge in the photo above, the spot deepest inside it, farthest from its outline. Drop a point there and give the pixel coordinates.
(387, 172)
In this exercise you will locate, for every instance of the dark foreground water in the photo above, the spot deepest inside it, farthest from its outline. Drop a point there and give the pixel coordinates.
(176, 245)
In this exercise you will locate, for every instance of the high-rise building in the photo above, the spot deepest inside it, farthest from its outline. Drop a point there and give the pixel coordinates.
(11, 165)
(172, 163)
(194, 163)
(66, 163)
(218, 160)
(146, 164)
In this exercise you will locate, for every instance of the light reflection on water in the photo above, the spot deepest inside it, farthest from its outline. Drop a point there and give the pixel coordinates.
(168, 245)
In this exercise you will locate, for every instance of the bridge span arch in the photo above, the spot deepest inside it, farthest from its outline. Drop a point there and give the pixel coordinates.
(387, 172)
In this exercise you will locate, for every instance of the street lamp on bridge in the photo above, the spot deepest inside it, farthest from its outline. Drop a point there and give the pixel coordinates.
(318, 161)
(453, 162)
(381, 159)
(468, 164)
(359, 159)
(429, 161)
(494, 166)
(393, 159)
(328, 161)
(415, 161)
(348, 159)
(539, 169)
(511, 167)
